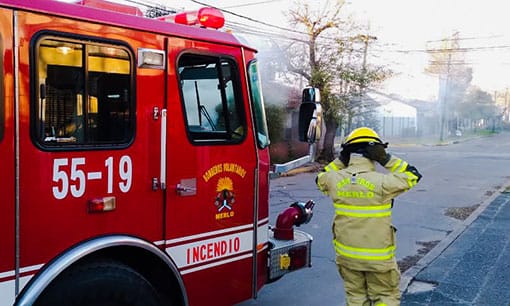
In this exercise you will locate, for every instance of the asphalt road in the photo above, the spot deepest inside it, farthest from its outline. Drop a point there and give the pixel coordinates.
(456, 179)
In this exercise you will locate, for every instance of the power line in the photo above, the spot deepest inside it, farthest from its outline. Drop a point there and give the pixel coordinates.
(464, 38)
(239, 28)
(248, 18)
(250, 29)
(267, 24)
(147, 4)
(252, 3)
(438, 50)
(452, 50)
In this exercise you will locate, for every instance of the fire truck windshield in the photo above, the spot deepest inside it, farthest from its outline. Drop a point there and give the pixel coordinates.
(258, 105)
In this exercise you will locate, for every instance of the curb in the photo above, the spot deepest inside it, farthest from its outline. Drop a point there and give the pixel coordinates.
(408, 276)
(303, 169)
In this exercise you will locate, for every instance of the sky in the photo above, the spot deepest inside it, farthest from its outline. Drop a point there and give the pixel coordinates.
(416, 25)
(404, 30)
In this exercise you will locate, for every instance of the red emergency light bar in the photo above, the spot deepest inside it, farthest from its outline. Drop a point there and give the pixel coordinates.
(206, 17)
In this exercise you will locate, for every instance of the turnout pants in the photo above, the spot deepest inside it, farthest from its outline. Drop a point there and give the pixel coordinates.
(365, 288)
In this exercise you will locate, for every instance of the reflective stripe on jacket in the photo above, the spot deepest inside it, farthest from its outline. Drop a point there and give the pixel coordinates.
(364, 238)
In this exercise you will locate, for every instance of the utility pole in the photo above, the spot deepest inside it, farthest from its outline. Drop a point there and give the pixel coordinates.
(493, 119)
(445, 99)
(506, 117)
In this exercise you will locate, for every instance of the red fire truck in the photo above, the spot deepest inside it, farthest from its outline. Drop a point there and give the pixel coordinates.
(134, 161)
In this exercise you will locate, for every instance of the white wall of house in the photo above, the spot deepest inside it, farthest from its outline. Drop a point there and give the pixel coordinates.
(397, 119)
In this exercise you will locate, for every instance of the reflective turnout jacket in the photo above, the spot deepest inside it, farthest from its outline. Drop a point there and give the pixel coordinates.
(364, 238)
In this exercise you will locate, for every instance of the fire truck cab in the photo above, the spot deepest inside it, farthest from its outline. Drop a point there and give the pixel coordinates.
(134, 161)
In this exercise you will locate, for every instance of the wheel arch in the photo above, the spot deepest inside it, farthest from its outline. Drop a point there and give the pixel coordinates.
(139, 254)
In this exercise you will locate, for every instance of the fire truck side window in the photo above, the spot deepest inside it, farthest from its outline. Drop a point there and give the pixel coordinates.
(210, 92)
(83, 95)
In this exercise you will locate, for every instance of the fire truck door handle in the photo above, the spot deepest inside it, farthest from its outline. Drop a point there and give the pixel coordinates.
(162, 171)
(187, 187)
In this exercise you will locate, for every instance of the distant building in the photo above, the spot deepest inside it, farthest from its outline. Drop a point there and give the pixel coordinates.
(427, 116)
(404, 118)
(396, 118)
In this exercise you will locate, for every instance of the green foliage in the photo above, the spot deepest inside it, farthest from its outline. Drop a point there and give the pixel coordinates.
(322, 79)
(275, 116)
(486, 132)
(477, 104)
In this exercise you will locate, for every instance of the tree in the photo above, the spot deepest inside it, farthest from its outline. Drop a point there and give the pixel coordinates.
(335, 65)
(355, 77)
(477, 105)
(313, 65)
(157, 11)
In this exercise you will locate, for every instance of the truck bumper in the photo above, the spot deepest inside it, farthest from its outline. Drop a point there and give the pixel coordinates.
(286, 256)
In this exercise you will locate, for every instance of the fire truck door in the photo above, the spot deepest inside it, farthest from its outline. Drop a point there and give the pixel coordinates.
(7, 161)
(210, 180)
(88, 139)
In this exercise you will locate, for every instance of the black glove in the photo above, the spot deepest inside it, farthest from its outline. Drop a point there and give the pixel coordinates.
(414, 171)
(377, 152)
(345, 156)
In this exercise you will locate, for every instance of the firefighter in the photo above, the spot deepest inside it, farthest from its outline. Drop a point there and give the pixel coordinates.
(363, 235)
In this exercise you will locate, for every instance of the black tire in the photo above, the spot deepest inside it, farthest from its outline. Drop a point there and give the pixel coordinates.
(101, 283)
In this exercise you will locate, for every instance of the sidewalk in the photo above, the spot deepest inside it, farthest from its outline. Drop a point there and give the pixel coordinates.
(471, 266)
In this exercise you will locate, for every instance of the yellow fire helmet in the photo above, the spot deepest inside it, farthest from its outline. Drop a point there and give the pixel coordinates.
(361, 135)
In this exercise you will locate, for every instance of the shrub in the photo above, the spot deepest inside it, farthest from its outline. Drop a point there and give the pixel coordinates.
(275, 116)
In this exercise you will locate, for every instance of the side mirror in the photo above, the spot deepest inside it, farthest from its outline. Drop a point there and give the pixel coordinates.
(310, 116)
(311, 95)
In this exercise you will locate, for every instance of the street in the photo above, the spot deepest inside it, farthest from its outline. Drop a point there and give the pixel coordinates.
(457, 178)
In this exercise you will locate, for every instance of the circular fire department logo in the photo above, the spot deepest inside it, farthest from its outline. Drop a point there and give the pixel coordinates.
(225, 197)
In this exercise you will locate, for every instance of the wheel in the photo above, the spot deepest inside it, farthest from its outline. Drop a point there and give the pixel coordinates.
(100, 283)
